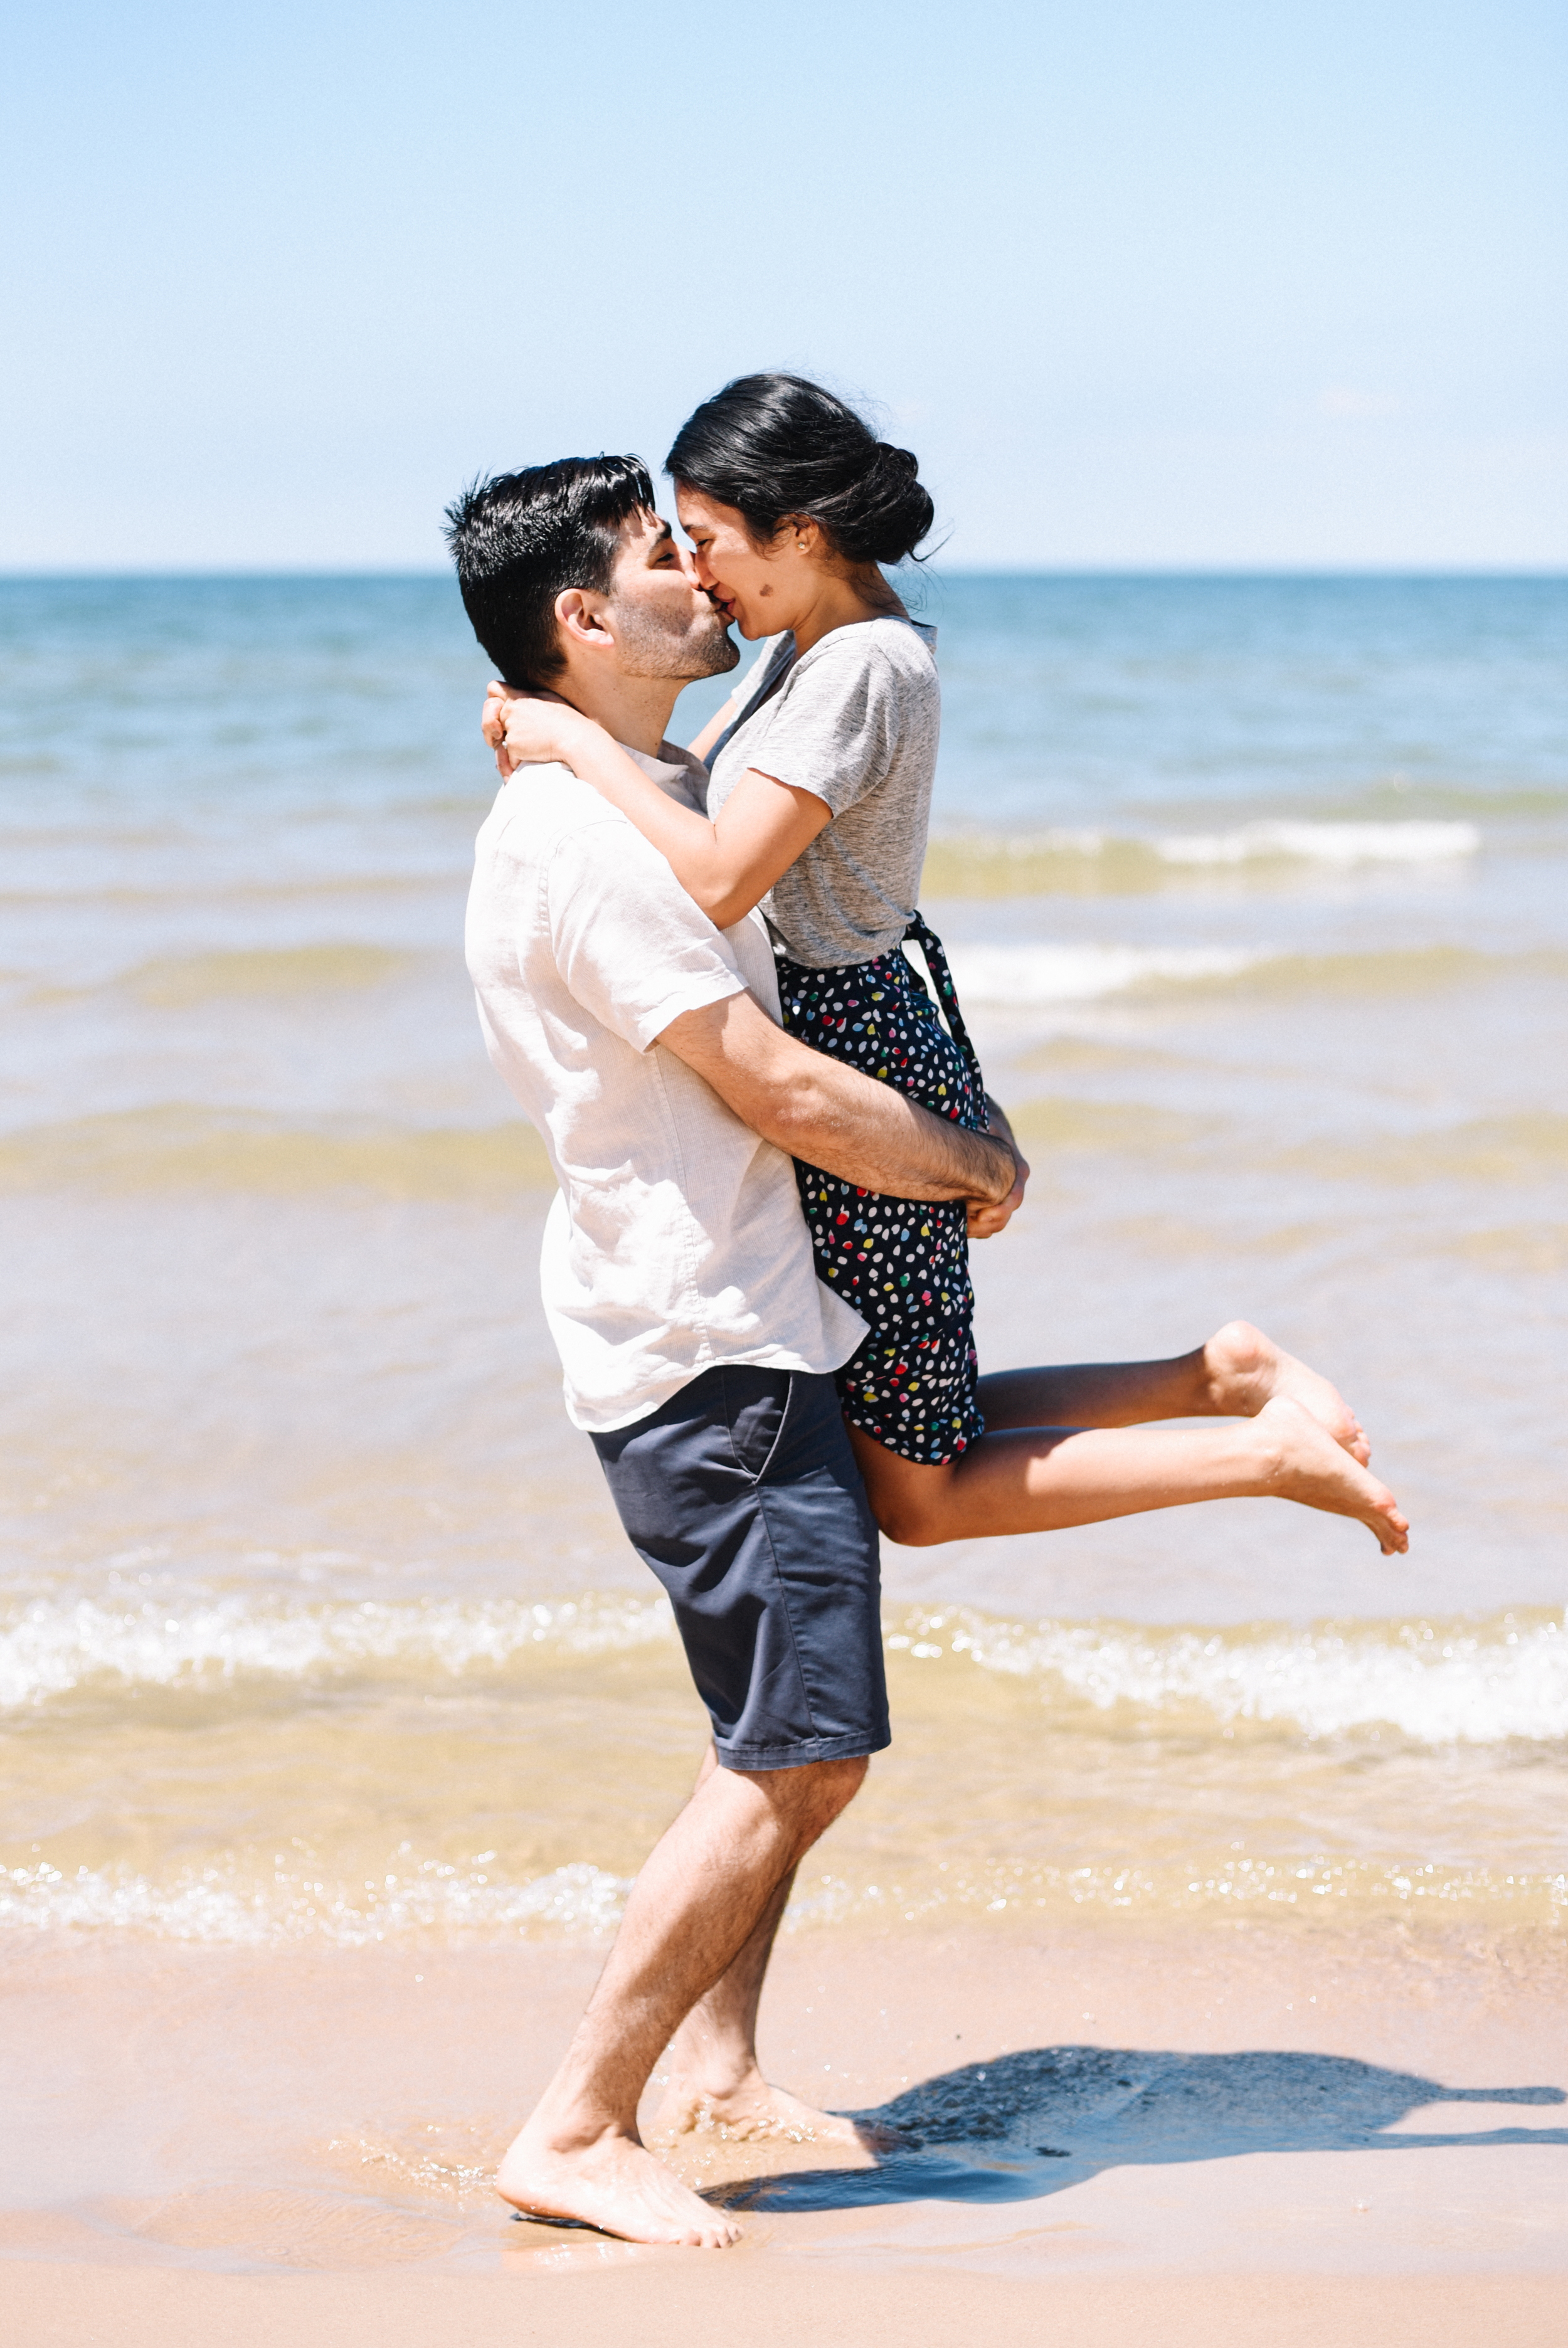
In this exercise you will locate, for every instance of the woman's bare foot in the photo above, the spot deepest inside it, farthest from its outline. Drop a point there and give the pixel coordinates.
(616, 2184)
(1245, 1369)
(1309, 1466)
(752, 2113)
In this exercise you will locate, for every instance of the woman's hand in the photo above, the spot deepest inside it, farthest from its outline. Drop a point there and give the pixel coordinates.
(527, 730)
(985, 1222)
(499, 699)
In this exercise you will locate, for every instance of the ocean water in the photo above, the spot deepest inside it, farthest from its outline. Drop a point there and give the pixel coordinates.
(317, 1625)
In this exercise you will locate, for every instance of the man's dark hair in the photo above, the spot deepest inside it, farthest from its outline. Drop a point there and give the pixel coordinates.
(522, 539)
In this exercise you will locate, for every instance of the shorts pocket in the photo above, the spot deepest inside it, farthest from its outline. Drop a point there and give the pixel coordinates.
(756, 1404)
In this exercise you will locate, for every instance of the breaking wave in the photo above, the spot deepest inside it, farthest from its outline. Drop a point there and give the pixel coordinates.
(52, 1650)
(1024, 976)
(1092, 861)
(1435, 1683)
(1324, 843)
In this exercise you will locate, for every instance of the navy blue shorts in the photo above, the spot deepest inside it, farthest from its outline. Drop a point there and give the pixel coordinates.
(743, 1496)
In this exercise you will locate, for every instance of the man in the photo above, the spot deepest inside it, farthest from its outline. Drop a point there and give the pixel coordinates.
(698, 1344)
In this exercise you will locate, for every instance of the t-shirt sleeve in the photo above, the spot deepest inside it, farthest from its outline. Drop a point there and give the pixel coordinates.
(835, 729)
(630, 944)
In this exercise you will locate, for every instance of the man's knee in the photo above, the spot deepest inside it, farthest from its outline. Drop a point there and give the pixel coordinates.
(835, 1784)
(816, 1793)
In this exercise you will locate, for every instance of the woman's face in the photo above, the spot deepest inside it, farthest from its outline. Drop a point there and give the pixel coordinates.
(761, 589)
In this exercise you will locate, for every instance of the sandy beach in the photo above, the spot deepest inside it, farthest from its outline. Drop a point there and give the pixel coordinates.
(1292, 2134)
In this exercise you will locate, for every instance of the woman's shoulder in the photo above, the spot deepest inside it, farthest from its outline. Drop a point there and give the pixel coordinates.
(901, 652)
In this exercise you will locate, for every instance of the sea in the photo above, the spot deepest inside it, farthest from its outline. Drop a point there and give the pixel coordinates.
(317, 1627)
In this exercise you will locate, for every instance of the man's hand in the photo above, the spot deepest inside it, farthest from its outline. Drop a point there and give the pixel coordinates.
(985, 1222)
(832, 1116)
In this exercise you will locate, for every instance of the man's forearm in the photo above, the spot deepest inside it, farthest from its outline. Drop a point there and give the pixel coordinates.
(867, 1133)
(833, 1116)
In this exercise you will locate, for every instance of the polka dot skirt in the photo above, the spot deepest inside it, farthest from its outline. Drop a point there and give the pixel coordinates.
(902, 1263)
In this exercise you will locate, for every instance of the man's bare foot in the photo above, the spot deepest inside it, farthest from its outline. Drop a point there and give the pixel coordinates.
(1246, 1369)
(752, 2112)
(1309, 1466)
(613, 2183)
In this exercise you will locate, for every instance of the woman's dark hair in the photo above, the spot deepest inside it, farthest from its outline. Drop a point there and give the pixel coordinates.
(522, 539)
(776, 446)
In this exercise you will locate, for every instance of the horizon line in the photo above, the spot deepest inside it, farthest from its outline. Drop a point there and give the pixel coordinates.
(37, 573)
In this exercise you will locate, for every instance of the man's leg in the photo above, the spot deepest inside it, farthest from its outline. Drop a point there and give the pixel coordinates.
(712, 2075)
(713, 1878)
(742, 1494)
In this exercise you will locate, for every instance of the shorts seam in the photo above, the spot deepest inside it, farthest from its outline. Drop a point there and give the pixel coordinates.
(857, 1747)
(762, 1476)
(760, 1493)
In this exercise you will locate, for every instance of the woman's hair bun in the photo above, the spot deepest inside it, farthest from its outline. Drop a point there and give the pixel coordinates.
(776, 446)
(891, 511)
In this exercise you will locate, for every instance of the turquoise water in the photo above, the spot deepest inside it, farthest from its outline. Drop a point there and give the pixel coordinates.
(1255, 895)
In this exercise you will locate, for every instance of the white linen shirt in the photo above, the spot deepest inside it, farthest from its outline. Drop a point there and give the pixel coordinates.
(676, 1241)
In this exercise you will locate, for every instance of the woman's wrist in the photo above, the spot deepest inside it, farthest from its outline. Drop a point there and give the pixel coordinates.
(548, 732)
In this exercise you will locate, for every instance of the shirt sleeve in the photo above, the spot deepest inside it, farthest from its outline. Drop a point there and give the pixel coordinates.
(834, 729)
(632, 947)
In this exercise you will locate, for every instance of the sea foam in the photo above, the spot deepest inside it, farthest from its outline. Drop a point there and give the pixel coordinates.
(1434, 1682)
(211, 1904)
(1028, 975)
(51, 1649)
(1324, 843)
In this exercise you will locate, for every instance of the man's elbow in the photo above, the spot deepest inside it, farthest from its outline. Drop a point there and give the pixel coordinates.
(798, 1114)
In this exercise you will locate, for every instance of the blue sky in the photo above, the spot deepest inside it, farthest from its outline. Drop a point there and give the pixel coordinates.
(1187, 285)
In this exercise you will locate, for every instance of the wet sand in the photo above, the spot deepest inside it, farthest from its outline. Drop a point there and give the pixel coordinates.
(76, 2306)
(1282, 2136)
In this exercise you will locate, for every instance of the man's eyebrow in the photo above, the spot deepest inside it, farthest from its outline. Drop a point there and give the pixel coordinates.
(663, 531)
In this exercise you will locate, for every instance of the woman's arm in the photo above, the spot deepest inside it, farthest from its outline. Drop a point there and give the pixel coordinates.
(725, 866)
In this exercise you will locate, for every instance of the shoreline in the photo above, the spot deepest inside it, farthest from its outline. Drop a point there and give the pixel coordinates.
(1149, 2130)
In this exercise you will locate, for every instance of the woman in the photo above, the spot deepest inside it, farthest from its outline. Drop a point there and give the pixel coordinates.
(822, 768)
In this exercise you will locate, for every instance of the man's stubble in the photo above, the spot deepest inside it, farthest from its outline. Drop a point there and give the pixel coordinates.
(649, 648)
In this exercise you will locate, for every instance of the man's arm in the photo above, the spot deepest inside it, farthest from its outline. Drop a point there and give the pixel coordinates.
(832, 1116)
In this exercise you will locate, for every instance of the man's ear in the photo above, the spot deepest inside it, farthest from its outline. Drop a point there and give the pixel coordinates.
(580, 617)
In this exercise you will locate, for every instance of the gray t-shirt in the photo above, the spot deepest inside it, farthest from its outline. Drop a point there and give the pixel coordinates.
(855, 720)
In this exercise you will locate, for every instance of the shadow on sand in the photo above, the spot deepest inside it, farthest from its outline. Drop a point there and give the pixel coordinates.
(1032, 2122)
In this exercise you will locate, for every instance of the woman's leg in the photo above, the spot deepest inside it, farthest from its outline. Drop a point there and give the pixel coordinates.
(1042, 1478)
(1231, 1376)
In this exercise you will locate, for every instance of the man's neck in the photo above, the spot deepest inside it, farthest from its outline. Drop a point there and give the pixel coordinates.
(636, 710)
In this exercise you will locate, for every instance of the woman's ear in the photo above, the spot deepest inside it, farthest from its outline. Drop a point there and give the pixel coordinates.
(799, 534)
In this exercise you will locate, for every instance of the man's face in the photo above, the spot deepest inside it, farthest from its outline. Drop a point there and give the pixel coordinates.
(662, 621)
